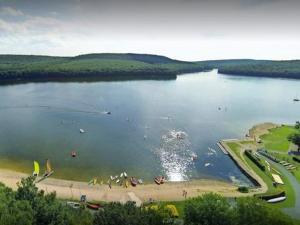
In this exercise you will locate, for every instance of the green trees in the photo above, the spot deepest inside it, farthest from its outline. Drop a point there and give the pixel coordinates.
(213, 209)
(29, 206)
(129, 214)
(210, 209)
(295, 138)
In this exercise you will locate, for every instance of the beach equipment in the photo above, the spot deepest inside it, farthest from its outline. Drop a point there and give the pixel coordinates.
(277, 179)
(74, 205)
(275, 200)
(93, 181)
(140, 181)
(159, 180)
(48, 171)
(36, 167)
(93, 206)
(133, 181)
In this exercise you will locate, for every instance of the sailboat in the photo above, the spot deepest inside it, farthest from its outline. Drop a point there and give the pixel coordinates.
(48, 171)
(36, 167)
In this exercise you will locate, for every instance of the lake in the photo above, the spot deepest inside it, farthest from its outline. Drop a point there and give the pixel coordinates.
(155, 127)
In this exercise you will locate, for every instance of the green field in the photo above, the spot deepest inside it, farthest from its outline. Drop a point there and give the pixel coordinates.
(266, 176)
(277, 140)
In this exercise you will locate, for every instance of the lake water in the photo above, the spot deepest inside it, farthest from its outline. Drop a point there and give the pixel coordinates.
(155, 127)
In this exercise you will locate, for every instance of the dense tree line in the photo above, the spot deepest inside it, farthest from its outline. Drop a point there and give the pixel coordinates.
(24, 67)
(29, 206)
(259, 68)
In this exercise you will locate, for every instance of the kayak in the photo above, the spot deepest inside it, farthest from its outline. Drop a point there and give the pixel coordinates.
(133, 181)
(93, 206)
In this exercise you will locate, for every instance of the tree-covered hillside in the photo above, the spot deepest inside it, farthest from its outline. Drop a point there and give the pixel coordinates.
(258, 68)
(25, 67)
(132, 66)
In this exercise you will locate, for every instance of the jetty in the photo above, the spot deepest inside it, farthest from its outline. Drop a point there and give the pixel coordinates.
(222, 148)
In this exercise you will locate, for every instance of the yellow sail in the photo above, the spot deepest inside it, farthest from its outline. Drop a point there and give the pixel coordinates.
(36, 168)
(48, 167)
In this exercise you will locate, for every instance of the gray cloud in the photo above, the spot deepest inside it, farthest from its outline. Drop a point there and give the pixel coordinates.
(186, 29)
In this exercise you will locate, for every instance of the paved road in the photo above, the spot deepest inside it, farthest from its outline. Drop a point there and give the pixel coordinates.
(295, 211)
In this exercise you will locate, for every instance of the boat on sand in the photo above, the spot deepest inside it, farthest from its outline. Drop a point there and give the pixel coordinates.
(133, 181)
(159, 180)
(48, 171)
(93, 206)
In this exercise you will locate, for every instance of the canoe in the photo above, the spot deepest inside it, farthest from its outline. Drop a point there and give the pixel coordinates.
(275, 200)
(159, 180)
(93, 206)
(133, 181)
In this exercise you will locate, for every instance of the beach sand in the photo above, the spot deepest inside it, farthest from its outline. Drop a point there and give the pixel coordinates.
(170, 191)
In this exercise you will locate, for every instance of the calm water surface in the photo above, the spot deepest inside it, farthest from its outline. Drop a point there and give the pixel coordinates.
(156, 127)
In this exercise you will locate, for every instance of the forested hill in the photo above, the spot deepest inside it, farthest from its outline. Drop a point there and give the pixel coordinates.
(134, 66)
(257, 68)
(108, 66)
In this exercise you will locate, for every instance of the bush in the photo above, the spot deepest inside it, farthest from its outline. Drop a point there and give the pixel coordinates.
(254, 160)
(243, 189)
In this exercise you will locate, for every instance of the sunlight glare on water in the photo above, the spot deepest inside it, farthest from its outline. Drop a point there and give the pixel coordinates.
(176, 156)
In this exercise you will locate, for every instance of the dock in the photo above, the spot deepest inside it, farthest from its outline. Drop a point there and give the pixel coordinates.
(222, 148)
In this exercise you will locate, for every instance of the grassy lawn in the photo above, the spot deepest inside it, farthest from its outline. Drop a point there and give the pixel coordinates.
(266, 176)
(235, 147)
(289, 159)
(276, 140)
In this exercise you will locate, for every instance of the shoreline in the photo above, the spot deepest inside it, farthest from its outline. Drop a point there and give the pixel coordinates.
(170, 191)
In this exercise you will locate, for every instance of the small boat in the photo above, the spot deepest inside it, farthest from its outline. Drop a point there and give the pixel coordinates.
(81, 131)
(93, 206)
(74, 205)
(73, 154)
(296, 99)
(121, 175)
(140, 181)
(159, 180)
(275, 200)
(125, 174)
(36, 169)
(93, 181)
(48, 171)
(207, 164)
(117, 181)
(133, 181)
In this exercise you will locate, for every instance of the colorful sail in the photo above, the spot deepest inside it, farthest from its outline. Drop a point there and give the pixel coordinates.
(48, 167)
(36, 168)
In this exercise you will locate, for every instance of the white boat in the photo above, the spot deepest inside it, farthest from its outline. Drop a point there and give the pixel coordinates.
(275, 200)
(74, 205)
(117, 181)
(125, 174)
(207, 164)
(121, 175)
(81, 131)
(212, 150)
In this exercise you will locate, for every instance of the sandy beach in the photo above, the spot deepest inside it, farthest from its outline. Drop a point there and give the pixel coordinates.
(171, 191)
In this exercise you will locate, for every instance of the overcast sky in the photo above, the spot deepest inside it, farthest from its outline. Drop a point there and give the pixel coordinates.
(182, 29)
